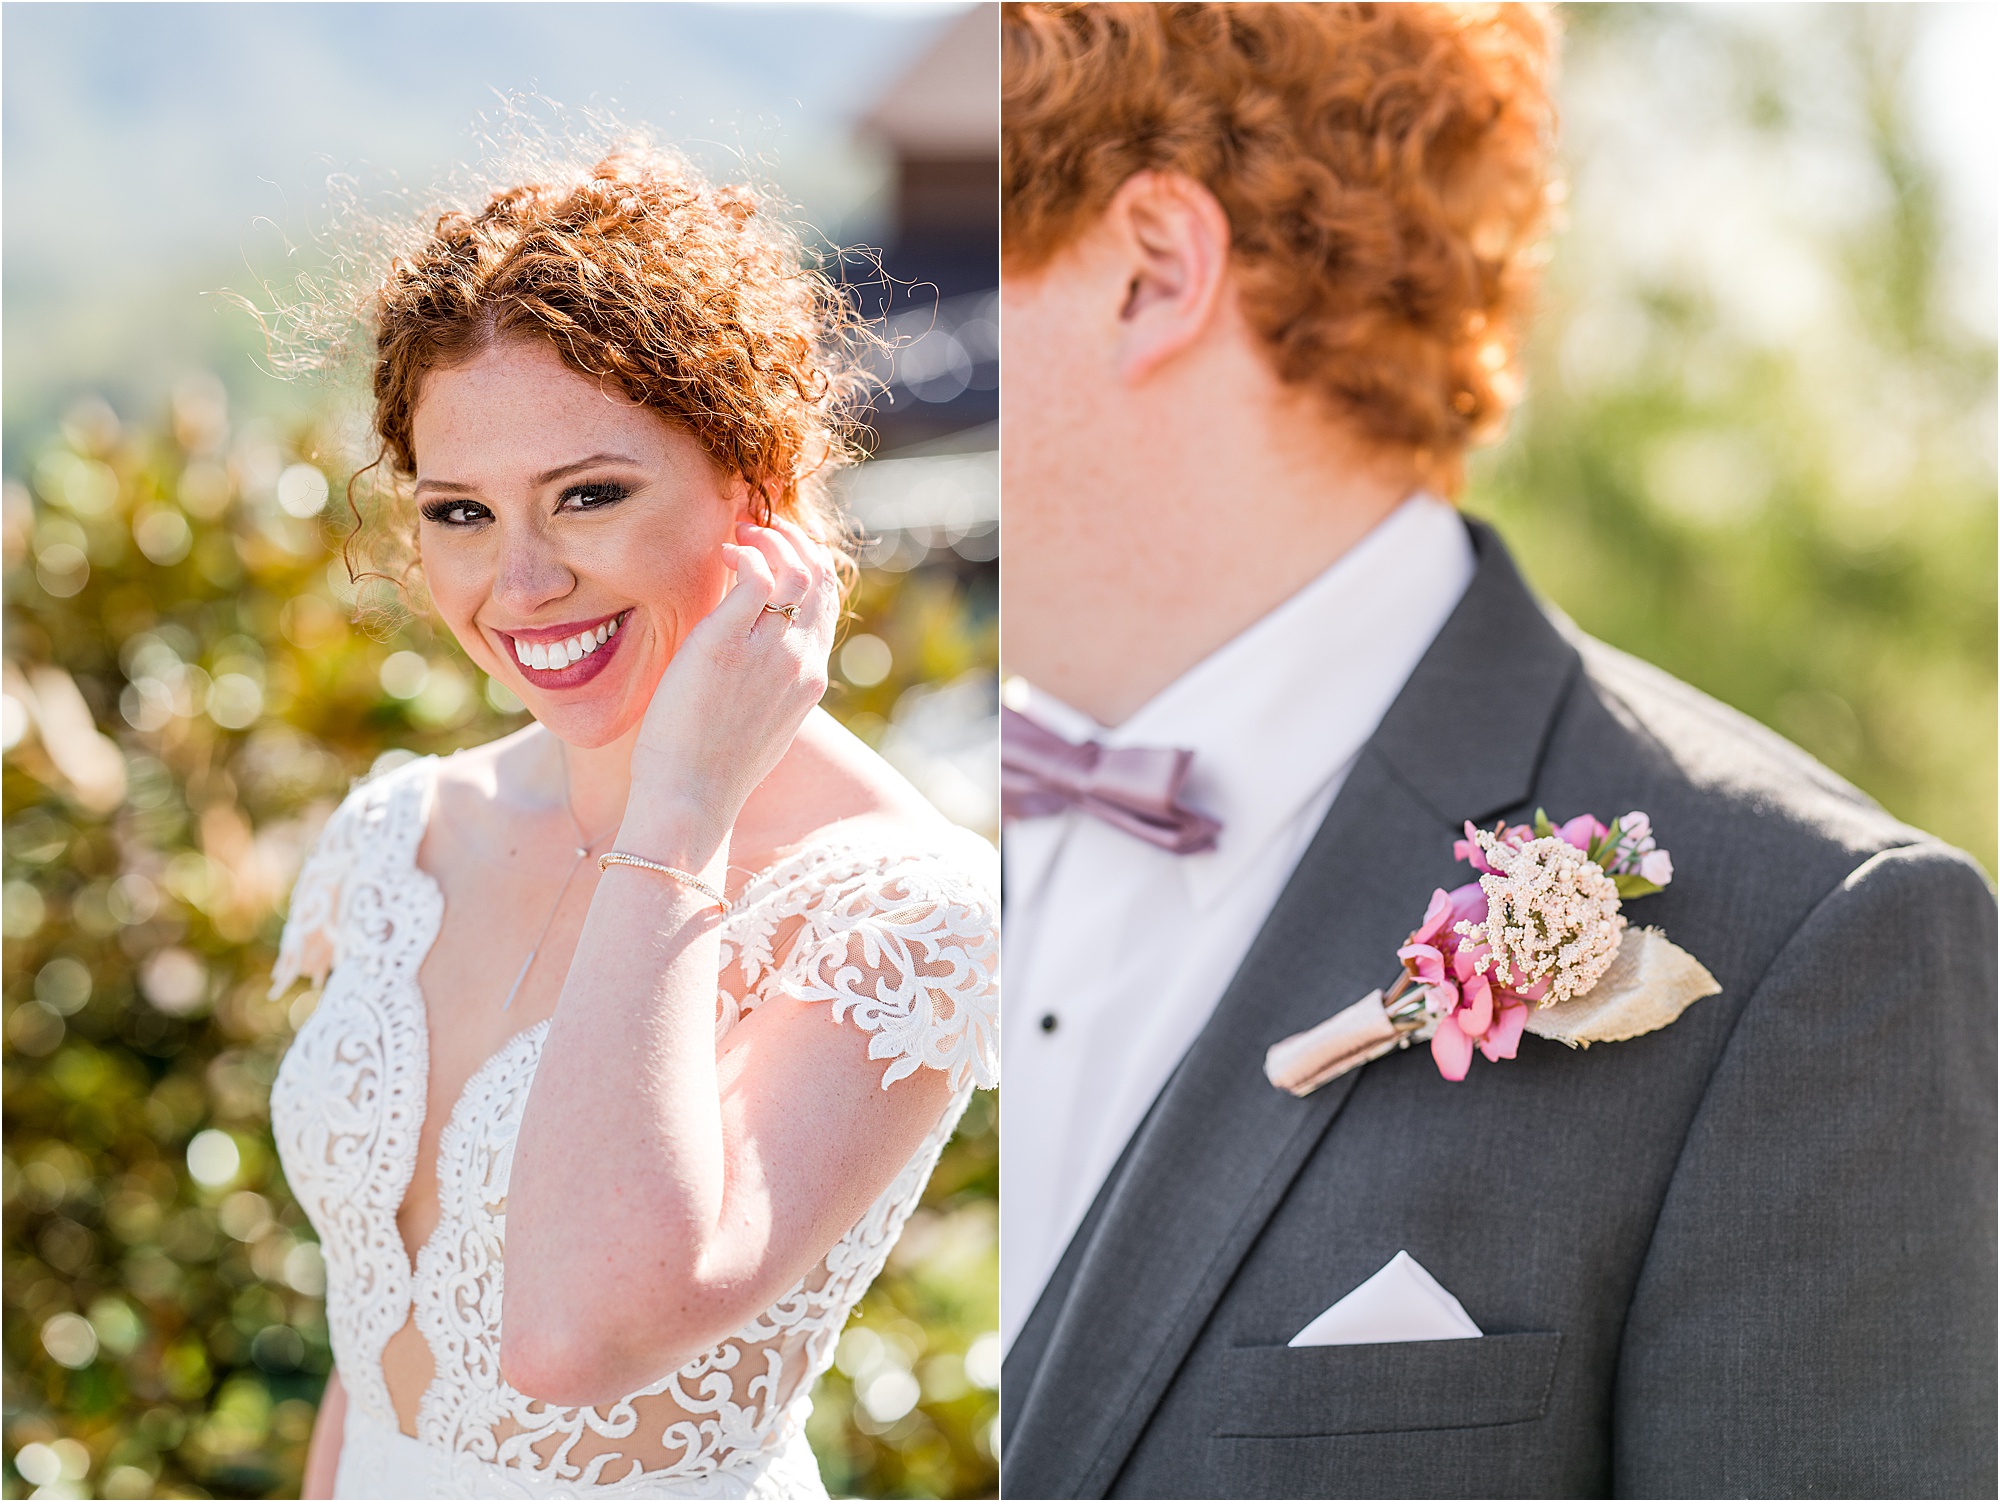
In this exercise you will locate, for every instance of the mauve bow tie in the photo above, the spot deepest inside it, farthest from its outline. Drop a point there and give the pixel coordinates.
(1132, 788)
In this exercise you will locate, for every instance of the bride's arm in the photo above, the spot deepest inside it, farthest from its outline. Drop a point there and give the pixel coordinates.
(660, 1196)
(323, 1452)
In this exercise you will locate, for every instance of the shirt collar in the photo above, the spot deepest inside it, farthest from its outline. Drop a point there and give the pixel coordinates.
(1276, 712)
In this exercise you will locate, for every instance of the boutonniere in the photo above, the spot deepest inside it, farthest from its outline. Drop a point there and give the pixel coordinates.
(1539, 944)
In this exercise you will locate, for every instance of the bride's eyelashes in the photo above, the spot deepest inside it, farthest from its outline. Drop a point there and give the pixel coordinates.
(459, 512)
(455, 513)
(593, 496)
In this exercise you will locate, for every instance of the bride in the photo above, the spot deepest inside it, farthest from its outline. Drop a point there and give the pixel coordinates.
(642, 1027)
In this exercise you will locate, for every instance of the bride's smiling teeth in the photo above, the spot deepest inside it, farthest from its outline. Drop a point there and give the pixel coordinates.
(553, 656)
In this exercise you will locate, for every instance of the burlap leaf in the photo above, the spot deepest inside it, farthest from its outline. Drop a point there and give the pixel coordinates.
(1649, 984)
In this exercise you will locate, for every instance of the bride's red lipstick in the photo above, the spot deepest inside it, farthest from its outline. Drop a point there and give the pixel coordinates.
(538, 641)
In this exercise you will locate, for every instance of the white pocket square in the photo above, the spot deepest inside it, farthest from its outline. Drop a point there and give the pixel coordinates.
(1401, 1302)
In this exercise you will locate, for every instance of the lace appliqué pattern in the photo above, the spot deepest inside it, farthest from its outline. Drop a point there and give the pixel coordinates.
(903, 947)
(347, 1106)
(900, 941)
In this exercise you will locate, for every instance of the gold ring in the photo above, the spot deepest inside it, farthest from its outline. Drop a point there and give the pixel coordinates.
(789, 612)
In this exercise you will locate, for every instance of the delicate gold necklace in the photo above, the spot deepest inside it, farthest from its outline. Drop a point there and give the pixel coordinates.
(582, 850)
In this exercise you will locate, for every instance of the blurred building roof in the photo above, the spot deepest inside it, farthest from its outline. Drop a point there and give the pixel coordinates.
(947, 102)
(940, 120)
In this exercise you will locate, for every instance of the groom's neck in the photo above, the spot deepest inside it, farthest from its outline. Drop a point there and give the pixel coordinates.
(1176, 517)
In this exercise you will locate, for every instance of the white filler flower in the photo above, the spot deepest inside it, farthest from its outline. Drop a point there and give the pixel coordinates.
(1551, 914)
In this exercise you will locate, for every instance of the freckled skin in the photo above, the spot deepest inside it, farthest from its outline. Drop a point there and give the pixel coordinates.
(486, 431)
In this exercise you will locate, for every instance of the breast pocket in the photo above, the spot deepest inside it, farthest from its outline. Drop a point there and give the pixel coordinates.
(1281, 1392)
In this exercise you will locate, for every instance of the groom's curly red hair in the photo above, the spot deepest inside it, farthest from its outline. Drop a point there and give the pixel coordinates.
(1384, 167)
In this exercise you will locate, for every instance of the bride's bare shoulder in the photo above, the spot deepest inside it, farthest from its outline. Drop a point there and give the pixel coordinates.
(481, 771)
(830, 776)
(483, 791)
(487, 795)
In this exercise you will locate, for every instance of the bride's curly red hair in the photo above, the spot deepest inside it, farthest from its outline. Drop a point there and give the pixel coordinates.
(1384, 167)
(690, 298)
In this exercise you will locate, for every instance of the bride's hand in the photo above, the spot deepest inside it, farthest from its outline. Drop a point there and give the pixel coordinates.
(738, 688)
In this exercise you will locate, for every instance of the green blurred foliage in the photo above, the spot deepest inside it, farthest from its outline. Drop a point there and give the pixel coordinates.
(1800, 523)
(187, 699)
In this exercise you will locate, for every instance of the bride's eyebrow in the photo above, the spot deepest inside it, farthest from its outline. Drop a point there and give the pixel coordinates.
(549, 476)
(546, 477)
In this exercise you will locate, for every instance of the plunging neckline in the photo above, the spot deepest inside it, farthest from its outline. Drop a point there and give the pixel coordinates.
(897, 919)
(430, 1248)
(426, 806)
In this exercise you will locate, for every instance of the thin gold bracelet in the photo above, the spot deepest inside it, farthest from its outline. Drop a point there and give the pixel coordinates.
(620, 858)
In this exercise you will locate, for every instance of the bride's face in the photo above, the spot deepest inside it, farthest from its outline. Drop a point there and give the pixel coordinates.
(562, 523)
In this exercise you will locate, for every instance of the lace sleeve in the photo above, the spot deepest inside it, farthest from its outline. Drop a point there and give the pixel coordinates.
(310, 944)
(908, 951)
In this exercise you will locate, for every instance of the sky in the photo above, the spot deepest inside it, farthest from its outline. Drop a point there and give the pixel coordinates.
(157, 154)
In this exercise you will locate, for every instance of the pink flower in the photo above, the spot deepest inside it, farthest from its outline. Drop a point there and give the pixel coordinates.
(1581, 830)
(1511, 835)
(1467, 850)
(1453, 1042)
(1435, 917)
(1468, 905)
(1465, 961)
(1657, 867)
(1426, 964)
(1475, 1010)
(1504, 1037)
(1451, 1049)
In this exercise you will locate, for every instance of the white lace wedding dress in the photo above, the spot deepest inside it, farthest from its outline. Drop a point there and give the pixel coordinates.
(899, 940)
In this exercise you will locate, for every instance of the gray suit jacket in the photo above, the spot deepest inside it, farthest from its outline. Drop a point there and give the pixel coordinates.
(1749, 1255)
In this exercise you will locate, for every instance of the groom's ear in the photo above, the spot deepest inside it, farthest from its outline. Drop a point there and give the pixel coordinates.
(1175, 240)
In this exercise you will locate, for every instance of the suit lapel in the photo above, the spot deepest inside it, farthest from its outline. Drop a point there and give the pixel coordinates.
(1220, 1145)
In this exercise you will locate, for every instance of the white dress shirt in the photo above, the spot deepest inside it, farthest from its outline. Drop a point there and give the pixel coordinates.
(1118, 951)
